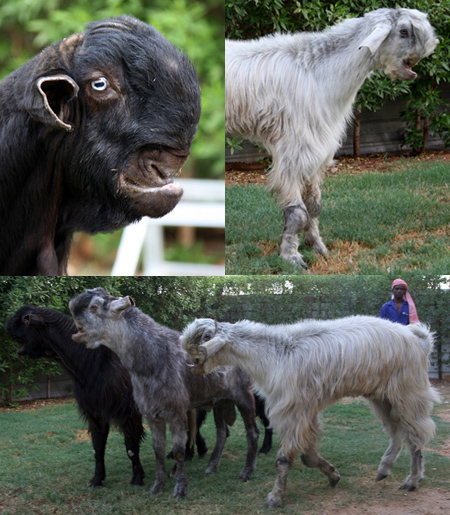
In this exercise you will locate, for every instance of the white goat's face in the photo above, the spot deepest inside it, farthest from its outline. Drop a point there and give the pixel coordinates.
(411, 39)
(95, 314)
(195, 339)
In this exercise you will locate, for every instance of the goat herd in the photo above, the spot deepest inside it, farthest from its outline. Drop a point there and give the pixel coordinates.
(125, 366)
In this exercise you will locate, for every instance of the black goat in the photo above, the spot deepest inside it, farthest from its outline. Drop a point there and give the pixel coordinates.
(92, 132)
(101, 385)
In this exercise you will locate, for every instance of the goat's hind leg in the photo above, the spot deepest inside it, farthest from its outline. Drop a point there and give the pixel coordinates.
(313, 204)
(417, 471)
(312, 459)
(296, 218)
(388, 417)
(221, 437)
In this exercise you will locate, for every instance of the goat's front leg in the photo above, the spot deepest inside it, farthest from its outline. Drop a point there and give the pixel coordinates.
(132, 443)
(275, 497)
(178, 428)
(296, 219)
(99, 430)
(158, 428)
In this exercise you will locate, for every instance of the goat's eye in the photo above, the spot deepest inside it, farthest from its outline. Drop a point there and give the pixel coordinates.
(207, 337)
(404, 33)
(93, 308)
(99, 84)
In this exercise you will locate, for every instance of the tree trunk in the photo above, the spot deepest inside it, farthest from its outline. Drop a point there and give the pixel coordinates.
(357, 134)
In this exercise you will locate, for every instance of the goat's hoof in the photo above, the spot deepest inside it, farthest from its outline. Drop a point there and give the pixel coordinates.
(180, 490)
(245, 475)
(295, 259)
(334, 479)
(156, 489)
(95, 483)
(210, 470)
(273, 503)
(407, 487)
(380, 477)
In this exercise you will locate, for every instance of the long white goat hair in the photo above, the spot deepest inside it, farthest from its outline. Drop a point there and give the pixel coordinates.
(295, 92)
(301, 368)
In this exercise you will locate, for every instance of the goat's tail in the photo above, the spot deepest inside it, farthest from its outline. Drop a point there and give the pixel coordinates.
(425, 337)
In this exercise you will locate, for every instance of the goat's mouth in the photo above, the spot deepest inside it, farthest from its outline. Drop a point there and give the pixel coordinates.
(79, 337)
(407, 72)
(148, 180)
(196, 366)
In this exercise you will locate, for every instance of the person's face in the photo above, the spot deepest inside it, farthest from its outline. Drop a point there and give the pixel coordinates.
(398, 291)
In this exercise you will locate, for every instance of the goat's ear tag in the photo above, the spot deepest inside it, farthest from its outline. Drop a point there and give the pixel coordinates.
(375, 38)
(50, 97)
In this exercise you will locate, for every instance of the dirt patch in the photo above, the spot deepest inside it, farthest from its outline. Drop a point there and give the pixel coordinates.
(36, 404)
(420, 502)
(82, 435)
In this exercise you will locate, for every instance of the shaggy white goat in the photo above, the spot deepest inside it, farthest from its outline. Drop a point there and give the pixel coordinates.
(301, 368)
(294, 94)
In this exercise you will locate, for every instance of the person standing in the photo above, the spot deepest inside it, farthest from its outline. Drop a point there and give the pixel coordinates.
(401, 308)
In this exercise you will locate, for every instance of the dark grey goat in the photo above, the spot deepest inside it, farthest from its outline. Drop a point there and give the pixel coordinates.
(163, 388)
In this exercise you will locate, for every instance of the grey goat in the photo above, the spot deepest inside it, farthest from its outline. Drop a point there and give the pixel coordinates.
(163, 388)
(294, 94)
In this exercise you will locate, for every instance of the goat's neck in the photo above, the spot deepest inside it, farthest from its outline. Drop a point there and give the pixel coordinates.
(250, 353)
(342, 74)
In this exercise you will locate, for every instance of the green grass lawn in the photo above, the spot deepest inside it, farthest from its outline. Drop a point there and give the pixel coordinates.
(373, 223)
(47, 462)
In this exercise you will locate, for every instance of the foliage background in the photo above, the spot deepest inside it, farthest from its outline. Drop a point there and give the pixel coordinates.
(176, 301)
(426, 110)
(195, 26)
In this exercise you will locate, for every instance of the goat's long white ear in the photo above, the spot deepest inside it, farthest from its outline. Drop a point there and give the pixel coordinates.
(213, 346)
(119, 305)
(376, 37)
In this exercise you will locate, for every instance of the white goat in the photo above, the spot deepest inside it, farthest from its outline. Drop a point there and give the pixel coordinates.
(301, 368)
(294, 94)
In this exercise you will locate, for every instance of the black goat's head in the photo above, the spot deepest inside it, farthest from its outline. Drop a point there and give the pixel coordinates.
(130, 103)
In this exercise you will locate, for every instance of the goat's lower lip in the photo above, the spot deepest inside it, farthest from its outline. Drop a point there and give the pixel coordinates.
(78, 337)
(195, 368)
(128, 184)
(409, 71)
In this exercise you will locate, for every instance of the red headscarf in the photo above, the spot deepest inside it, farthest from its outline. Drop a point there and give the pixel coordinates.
(413, 317)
